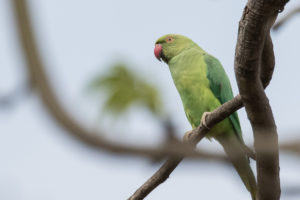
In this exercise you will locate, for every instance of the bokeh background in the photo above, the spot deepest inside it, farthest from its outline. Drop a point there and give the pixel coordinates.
(82, 40)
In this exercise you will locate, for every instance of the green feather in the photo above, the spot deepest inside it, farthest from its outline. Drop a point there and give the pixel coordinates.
(220, 86)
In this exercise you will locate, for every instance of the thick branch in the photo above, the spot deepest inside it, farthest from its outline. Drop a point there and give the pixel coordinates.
(254, 28)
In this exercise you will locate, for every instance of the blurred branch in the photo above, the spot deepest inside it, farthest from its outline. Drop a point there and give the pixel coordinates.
(42, 84)
(286, 18)
(292, 147)
(38, 75)
(254, 28)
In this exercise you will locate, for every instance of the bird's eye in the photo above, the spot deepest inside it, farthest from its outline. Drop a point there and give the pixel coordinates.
(169, 39)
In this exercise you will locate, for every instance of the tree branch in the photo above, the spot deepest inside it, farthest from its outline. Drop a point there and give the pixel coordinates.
(292, 147)
(254, 28)
(158, 177)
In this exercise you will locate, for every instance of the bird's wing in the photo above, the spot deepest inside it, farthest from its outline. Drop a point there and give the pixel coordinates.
(221, 88)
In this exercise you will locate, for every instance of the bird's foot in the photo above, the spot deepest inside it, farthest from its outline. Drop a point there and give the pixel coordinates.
(203, 120)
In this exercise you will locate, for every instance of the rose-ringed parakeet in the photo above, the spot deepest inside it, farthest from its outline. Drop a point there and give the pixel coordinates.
(203, 86)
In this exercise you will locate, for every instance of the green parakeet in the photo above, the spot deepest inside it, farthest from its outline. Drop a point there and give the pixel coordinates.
(203, 86)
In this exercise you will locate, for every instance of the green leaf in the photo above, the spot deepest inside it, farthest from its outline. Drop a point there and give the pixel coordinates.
(124, 89)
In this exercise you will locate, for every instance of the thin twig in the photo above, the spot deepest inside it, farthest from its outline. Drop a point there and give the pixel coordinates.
(285, 19)
(193, 138)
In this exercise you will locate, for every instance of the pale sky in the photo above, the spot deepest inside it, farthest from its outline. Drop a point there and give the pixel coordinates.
(79, 39)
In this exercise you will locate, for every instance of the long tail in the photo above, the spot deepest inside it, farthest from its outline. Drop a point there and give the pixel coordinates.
(233, 147)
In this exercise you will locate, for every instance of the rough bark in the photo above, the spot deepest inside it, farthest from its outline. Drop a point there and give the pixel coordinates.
(254, 28)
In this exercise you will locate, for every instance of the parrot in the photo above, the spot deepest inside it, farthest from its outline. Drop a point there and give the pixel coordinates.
(203, 86)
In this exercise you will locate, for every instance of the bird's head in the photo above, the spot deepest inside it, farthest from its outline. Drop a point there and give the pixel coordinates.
(169, 46)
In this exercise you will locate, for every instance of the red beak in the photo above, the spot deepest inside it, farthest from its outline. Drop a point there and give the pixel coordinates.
(158, 51)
